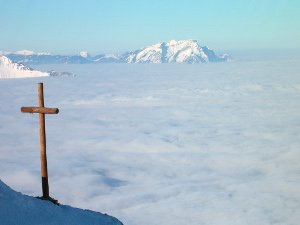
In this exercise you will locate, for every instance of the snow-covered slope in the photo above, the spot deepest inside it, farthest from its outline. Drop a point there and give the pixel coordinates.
(9, 69)
(174, 51)
(16, 208)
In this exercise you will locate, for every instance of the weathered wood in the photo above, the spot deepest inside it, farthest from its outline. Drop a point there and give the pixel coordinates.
(39, 110)
(44, 169)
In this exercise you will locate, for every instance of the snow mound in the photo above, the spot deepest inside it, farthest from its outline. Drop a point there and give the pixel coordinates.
(9, 69)
(16, 208)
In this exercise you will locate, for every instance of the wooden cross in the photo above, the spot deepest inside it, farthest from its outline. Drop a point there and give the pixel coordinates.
(42, 111)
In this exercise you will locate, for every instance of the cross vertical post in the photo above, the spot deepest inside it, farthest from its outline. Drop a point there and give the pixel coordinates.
(44, 170)
(41, 110)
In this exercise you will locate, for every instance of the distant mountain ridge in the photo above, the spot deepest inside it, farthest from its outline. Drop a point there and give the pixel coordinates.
(188, 51)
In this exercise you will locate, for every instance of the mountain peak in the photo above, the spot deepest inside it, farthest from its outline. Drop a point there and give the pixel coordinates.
(84, 54)
(174, 51)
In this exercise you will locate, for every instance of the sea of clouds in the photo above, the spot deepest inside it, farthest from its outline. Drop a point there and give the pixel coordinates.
(214, 143)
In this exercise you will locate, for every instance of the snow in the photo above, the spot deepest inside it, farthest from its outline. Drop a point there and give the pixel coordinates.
(28, 53)
(188, 51)
(16, 208)
(83, 54)
(173, 51)
(44, 53)
(25, 52)
(149, 54)
(8, 69)
(213, 143)
(108, 58)
(111, 56)
(227, 57)
(179, 51)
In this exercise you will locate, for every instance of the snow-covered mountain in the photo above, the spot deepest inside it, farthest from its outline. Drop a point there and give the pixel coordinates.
(10, 69)
(84, 54)
(16, 208)
(174, 51)
(188, 51)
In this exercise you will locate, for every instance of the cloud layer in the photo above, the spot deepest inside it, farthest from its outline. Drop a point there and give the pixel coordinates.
(162, 144)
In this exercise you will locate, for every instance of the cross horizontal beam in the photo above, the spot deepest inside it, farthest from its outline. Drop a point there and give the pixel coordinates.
(39, 110)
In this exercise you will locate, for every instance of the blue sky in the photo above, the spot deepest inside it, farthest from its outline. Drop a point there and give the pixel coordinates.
(70, 26)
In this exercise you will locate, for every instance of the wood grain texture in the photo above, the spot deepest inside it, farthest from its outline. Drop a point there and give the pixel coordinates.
(40, 110)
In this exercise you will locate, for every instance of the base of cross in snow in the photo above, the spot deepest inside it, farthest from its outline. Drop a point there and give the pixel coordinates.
(54, 201)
